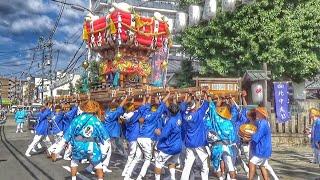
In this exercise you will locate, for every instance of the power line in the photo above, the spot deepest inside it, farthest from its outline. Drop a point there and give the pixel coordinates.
(57, 22)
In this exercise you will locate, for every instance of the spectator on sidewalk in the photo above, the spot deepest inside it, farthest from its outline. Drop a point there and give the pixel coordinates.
(20, 118)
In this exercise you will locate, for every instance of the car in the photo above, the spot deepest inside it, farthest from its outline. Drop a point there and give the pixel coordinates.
(13, 108)
(33, 115)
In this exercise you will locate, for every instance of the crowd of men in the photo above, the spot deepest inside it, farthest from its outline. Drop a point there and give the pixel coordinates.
(199, 129)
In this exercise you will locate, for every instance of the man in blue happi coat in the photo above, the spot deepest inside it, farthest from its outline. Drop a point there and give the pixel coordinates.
(260, 145)
(221, 125)
(113, 127)
(169, 142)
(193, 112)
(148, 125)
(41, 130)
(131, 125)
(86, 134)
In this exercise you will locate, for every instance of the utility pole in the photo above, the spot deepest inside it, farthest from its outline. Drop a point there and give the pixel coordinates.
(42, 45)
(265, 86)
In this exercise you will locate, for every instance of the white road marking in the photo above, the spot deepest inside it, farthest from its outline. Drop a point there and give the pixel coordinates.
(78, 174)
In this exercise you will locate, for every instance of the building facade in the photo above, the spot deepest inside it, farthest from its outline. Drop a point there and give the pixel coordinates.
(54, 88)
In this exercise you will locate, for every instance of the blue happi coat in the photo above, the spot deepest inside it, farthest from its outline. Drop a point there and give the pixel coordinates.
(261, 140)
(193, 126)
(132, 125)
(56, 123)
(170, 140)
(225, 134)
(42, 127)
(151, 121)
(20, 116)
(315, 133)
(111, 123)
(238, 119)
(69, 116)
(85, 134)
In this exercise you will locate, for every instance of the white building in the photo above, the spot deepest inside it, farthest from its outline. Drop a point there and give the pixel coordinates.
(54, 88)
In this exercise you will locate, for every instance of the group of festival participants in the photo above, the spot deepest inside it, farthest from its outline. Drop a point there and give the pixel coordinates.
(199, 131)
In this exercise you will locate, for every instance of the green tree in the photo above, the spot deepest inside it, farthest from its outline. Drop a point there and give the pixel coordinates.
(71, 88)
(185, 3)
(94, 77)
(283, 33)
(185, 74)
(78, 86)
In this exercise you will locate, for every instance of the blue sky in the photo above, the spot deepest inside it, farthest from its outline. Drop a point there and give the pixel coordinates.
(22, 22)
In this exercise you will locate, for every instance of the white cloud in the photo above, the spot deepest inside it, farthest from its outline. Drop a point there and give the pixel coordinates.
(35, 23)
(67, 48)
(70, 29)
(40, 6)
(4, 40)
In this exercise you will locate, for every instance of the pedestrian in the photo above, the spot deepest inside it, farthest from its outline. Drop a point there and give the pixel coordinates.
(170, 142)
(315, 134)
(86, 135)
(148, 125)
(194, 133)
(20, 118)
(41, 130)
(260, 145)
(131, 122)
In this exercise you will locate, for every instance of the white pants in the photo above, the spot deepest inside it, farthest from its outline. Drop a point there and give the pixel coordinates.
(163, 158)
(191, 155)
(57, 138)
(264, 162)
(35, 141)
(227, 159)
(136, 158)
(68, 151)
(145, 145)
(20, 127)
(75, 163)
(133, 146)
(106, 152)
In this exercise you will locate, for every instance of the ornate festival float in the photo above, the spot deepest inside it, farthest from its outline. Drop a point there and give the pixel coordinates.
(133, 52)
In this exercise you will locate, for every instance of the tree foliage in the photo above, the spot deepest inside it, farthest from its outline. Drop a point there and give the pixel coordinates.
(185, 74)
(71, 88)
(94, 77)
(283, 33)
(186, 3)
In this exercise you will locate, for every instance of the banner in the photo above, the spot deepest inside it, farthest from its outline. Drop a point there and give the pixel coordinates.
(281, 103)
(158, 68)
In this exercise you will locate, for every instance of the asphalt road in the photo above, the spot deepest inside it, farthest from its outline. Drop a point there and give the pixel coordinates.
(288, 163)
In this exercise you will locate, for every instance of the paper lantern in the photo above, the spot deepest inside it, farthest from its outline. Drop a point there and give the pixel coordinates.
(228, 5)
(210, 9)
(257, 93)
(194, 15)
(181, 21)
